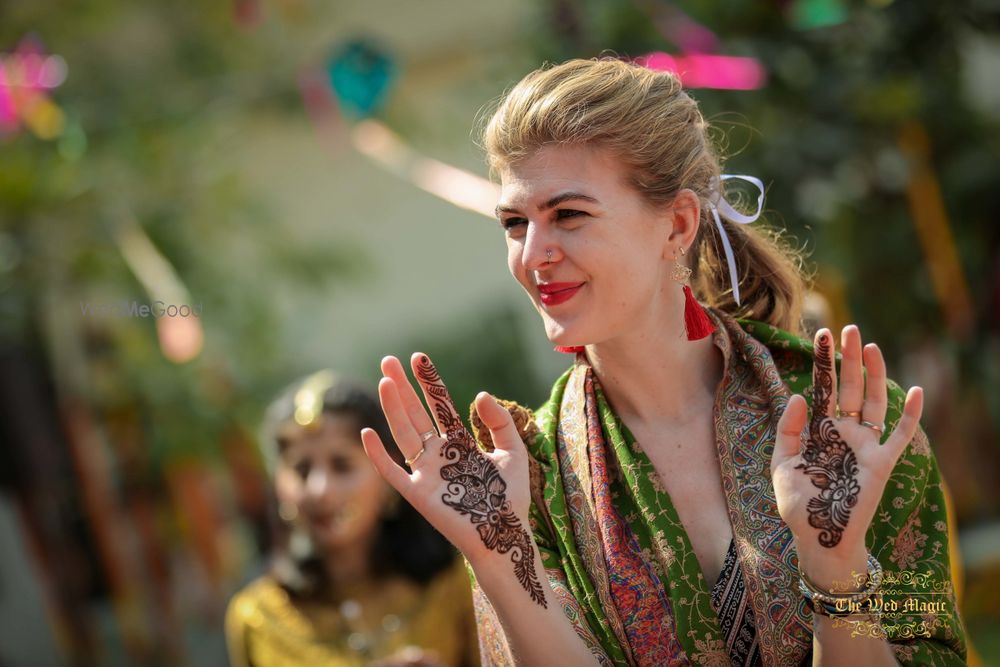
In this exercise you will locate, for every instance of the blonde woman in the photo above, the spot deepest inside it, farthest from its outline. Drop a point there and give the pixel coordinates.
(703, 486)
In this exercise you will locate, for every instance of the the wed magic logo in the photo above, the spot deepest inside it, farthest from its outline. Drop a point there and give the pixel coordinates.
(156, 309)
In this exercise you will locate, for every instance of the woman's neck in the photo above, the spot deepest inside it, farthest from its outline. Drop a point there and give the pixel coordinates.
(654, 375)
(349, 568)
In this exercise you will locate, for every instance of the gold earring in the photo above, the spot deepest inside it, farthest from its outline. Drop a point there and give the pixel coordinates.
(681, 273)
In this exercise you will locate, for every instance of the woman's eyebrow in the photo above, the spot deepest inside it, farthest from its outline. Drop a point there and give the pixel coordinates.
(551, 203)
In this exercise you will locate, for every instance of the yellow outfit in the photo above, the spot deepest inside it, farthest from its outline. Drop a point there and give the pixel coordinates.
(265, 628)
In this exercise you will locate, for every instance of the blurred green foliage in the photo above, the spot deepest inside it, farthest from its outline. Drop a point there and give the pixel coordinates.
(149, 100)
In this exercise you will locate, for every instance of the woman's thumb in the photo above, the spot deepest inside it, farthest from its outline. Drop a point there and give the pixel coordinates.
(788, 439)
(497, 419)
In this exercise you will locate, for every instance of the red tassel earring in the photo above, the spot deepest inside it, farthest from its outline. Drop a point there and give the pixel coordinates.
(696, 321)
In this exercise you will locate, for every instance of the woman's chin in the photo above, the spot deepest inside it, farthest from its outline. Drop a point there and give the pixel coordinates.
(558, 334)
(573, 334)
(565, 339)
(328, 540)
(334, 534)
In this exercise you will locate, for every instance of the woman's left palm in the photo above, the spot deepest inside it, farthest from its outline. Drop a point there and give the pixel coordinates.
(828, 481)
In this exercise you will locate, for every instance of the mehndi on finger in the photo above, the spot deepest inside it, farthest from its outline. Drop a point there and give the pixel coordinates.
(830, 462)
(476, 488)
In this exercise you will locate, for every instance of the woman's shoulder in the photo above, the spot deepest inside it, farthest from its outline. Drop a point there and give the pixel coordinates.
(450, 584)
(254, 599)
(244, 617)
(248, 610)
(791, 353)
(445, 620)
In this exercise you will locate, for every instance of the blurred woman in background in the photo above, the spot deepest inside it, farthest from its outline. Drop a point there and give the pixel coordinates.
(357, 576)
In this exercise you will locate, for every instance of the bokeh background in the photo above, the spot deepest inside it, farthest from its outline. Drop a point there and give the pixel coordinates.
(303, 174)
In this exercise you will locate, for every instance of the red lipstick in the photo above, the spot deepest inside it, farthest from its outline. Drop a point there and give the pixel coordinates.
(552, 294)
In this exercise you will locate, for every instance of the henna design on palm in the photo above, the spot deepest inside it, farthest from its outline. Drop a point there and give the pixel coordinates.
(829, 462)
(476, 489)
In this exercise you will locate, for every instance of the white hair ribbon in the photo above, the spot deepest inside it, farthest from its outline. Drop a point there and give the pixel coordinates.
(718, 205)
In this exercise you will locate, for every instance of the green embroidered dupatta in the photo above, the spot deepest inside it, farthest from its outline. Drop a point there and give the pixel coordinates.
(621, 563)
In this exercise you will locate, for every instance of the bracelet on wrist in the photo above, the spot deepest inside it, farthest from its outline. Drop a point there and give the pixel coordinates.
(833, 603)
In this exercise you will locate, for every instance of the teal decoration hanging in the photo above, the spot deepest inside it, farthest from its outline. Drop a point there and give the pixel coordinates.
(361, 75)
(811, 14)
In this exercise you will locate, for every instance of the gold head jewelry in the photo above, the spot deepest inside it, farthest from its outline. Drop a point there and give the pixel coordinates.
(309, 398)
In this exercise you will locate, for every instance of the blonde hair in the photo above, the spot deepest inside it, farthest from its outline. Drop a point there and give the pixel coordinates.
(645, 118)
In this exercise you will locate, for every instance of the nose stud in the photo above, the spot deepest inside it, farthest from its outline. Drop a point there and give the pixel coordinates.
(548, 254)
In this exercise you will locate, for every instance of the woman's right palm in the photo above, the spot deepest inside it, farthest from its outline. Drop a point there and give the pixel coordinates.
(478, 500)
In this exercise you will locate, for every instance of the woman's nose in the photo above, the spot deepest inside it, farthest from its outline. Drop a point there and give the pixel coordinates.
(318, 483)
(540, 248)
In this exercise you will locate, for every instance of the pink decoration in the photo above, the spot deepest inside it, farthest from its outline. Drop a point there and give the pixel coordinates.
(689, 35)
(709, 71)
(8, 114)
(26, 76)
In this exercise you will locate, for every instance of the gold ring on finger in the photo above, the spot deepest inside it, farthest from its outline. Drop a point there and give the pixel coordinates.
(427, 435)
(879, 428)
(848, 413)
(410, 462)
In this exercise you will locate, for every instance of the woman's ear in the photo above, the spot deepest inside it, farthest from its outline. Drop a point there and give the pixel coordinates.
(684, 216)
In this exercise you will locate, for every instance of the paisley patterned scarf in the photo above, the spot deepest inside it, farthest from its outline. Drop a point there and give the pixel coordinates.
(619, 559)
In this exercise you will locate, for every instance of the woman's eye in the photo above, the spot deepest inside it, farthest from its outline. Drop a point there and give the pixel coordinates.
(510, 223)
(341, 465)
(564, 213)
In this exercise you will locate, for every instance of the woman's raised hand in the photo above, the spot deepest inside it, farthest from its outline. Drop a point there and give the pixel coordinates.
(828, 488)
(478, 500)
